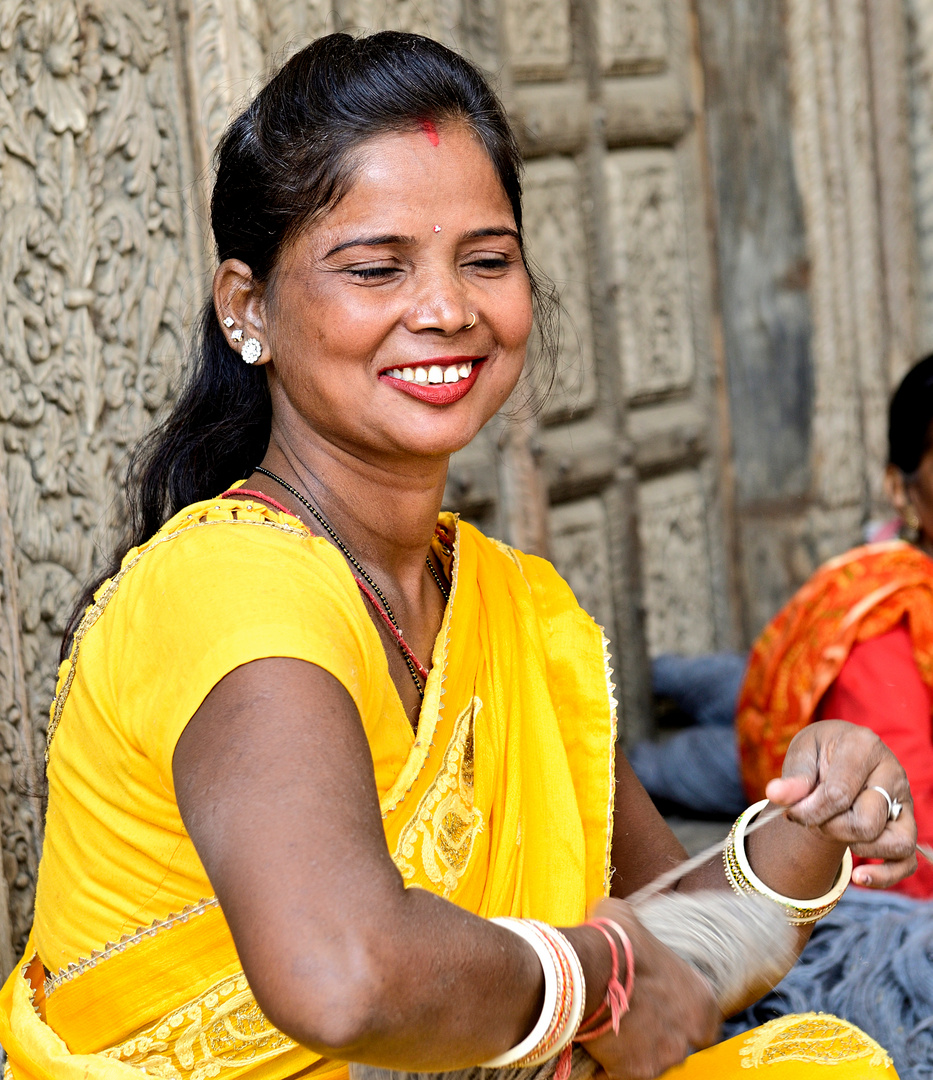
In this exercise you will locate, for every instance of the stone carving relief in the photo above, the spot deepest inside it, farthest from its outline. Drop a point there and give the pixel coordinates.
(90, 199)
(538, 36)
(676, 565)
(227, 61)
(633, 36)
(294, 23)
(436, 18)
(834, 160)
(920, 73)
(579, 550)
(650, 271)
(554, 227)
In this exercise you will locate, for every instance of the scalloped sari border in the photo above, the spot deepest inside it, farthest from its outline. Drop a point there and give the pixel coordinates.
(97, 956)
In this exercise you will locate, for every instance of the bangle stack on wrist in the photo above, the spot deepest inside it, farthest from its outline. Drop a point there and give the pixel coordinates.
(564, 996)
(745, 881)
(618, 997)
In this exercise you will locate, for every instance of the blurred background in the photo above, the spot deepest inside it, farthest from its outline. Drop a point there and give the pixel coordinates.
(733, 197)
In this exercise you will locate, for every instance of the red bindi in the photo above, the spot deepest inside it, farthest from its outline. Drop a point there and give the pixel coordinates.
(431, 131)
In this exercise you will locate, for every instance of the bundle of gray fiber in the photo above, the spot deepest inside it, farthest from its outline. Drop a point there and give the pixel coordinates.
(736, 943)
(870, 961)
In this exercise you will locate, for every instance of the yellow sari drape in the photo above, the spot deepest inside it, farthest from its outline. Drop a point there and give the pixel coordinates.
(501, 803)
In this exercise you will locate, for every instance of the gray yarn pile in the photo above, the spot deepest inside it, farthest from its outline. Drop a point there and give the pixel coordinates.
(870, 961)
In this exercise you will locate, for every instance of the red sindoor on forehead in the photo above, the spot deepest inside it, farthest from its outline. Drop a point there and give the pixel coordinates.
(431, 132)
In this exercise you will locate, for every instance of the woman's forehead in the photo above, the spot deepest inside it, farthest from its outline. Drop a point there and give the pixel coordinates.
(444, 171)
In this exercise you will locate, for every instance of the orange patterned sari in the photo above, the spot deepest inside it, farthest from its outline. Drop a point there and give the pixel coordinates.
(854, 598)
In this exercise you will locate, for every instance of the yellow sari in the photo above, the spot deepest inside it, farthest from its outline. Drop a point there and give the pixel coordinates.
(501, 801)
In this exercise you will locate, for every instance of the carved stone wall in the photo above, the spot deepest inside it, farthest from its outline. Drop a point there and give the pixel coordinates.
(109, 110)
(920, 88)
(676, 565)
(95, 260)
(808, 124)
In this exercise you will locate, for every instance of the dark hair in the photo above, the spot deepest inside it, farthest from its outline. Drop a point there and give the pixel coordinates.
(909, 418)
(284, 161)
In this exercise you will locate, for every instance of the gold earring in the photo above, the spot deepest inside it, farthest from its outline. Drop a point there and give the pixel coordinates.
(911, 519)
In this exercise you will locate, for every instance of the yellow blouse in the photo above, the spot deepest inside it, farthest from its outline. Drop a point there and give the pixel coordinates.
(116, 854)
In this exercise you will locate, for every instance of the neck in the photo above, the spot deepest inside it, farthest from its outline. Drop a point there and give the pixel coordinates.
(385, 511)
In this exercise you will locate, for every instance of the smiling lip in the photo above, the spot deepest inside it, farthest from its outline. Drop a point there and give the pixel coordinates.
(437, 393)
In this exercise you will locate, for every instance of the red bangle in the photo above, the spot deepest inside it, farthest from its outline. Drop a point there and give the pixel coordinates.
(618, 997)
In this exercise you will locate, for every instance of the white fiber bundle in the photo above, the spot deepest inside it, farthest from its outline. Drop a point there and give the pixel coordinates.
(737, 943)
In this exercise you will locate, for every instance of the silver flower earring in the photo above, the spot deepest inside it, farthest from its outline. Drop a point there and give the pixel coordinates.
(251, 351)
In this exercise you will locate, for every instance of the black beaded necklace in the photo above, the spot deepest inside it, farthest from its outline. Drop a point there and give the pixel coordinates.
(373, 593)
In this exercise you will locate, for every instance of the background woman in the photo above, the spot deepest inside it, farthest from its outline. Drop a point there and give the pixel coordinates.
(313, 734)
(855, 643)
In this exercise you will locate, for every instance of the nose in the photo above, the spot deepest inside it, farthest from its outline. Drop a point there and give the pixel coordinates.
(440, 307)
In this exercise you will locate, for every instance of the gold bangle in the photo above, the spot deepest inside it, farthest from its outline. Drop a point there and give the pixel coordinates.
(743, 879)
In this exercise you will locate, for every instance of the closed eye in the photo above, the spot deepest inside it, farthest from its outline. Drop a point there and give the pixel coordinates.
(490, 264)
(372, 273)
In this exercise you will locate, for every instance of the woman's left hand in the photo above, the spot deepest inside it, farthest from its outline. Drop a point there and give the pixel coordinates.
(830, 771)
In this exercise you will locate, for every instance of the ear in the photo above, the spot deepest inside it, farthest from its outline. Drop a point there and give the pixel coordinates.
(238, 296)
(895, 489)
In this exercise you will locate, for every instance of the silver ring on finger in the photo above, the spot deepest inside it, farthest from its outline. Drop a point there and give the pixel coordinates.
(894, 805)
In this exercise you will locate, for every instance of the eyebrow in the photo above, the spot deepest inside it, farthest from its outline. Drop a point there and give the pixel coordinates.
(395, 238)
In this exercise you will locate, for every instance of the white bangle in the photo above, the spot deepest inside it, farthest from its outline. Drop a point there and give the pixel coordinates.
(574, 1017)
(799, 911)
(549, 967)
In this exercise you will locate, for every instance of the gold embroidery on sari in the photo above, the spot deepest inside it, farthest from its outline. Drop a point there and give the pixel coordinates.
(446, 822)
(223, 1028)
(813, 1037)
(73, 970)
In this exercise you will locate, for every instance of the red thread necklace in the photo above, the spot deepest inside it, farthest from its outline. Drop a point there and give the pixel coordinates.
(364, 581)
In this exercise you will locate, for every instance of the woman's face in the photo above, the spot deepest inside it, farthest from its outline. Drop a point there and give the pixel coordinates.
(370, 306)
(914, 500)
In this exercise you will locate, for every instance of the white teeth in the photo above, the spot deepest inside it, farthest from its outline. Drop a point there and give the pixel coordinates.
(394, 373)
(421, 375)
(451, 375)
(408, 374)
(464, 370)
(435, 374)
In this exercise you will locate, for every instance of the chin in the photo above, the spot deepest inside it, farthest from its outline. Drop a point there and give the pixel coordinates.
(432, 443)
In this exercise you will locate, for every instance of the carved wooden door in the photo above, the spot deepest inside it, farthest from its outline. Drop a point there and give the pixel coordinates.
(627, 445)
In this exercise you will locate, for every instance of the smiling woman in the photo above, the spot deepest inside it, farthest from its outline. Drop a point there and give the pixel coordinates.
(328, 768)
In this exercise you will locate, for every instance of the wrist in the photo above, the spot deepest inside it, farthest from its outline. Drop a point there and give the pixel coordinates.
(596, 960)
(783, 863)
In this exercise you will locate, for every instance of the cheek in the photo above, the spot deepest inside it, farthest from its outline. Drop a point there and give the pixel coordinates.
(516, 322)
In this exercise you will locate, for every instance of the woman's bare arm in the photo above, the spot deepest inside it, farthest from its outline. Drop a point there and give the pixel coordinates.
(829, 772)
(274, 781)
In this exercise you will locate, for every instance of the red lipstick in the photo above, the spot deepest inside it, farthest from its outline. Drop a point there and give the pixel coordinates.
(437, 393)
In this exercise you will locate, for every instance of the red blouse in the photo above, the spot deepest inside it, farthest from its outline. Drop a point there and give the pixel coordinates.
(880, 688)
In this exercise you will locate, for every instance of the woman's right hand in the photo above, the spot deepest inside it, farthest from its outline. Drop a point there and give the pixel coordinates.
(672, 1011)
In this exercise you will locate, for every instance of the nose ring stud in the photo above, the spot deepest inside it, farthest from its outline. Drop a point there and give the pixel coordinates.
(470, 325)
